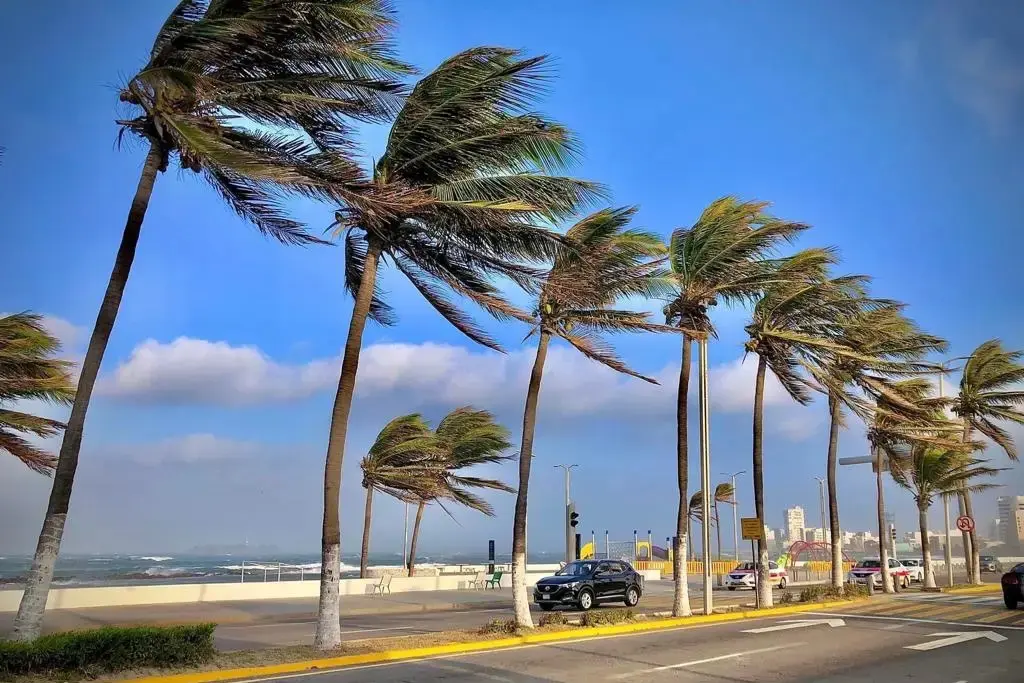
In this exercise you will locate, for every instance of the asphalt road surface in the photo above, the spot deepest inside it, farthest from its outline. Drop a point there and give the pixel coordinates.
(839, 647)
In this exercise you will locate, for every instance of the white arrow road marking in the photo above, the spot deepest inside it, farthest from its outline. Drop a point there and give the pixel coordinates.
(709, 660)
(797, 623)
(956, 638)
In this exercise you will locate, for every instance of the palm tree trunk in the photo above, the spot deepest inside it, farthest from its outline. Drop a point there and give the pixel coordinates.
(718, 533)
(415, 537)
(970, 537)
(836, 416)
(328, 626)
(926, 547)
(520, 599)
(689, 535)
(764, 586)
(681, 592)
(364, 554)
(883, 533)
(29, 620)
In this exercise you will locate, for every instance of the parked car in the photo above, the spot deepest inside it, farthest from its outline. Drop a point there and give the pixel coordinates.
(870, 569)
(586, 583)
(990, 564)
(743, 576)
(916, 569)
(1013, 587)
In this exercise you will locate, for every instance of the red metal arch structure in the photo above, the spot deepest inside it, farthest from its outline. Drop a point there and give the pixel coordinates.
(816, 551)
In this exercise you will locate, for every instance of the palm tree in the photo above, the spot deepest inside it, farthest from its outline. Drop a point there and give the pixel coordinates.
(405, 461)
(791, 323)
(724, 493)
(467, 438)
(299, 68)
(989, 393)
(926, 472)
(606, 262)
(890, 345)
(693, 514)
(722, 258)
(456, 198)
(28, 371)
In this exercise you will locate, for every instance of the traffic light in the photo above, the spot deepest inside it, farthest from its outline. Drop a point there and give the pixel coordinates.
(574, 519)
(892, 531)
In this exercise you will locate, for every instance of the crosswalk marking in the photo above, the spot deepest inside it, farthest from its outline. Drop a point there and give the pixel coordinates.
(998, 616)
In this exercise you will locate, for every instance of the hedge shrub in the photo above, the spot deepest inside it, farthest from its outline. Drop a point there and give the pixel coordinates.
(108, 649)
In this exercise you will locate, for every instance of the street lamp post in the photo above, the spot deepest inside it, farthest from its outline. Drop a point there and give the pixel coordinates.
(948, 554)
(735, 515)
(568, 502)
(821, 506)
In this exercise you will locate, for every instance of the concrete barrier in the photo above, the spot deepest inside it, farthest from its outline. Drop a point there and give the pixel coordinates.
(119, 596)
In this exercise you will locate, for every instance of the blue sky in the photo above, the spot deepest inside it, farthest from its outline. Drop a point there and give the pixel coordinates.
(895, 129)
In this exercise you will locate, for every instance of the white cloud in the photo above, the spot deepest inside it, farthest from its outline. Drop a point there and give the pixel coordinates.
(193, 448)
(196, 371)
(71, 336)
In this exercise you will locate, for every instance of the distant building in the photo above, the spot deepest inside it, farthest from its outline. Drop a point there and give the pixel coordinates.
(995, 533)
(816, 535)
(1011, 521)
(793, 523)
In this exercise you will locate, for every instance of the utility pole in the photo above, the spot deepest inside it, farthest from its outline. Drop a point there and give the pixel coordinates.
(705, 471)
(568, 505)
(948, 554)
(821, 508)
(735, 515)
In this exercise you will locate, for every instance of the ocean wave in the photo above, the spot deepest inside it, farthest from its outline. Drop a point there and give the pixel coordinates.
(154, 558)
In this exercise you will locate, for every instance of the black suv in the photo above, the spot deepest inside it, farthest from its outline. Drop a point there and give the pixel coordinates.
(585, 583)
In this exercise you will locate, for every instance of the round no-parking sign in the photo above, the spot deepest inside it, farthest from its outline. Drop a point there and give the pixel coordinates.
(964, 523)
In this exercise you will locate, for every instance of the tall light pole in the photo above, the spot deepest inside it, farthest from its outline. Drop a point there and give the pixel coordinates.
(821, 506)
(705, 471)
(948, 554)
(568, 503)
(735, 514)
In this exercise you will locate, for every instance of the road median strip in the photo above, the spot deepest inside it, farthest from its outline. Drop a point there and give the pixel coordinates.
(985, 588)
(573, 634)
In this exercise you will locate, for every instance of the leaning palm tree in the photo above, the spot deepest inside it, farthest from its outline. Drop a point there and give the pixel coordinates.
(29, 371)
(989, 394)
(221, 76)
(694, 510)
(926, 471)
(724, 493)
(406, 462)
(458, 196)
(723, 258)
(467, 438)
(890, 345)
(792, 322)
(607, 261)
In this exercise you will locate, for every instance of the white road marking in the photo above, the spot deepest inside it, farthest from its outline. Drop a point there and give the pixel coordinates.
(797, 623)
(374, 630)
(916, 621)
(955, 639)
(893, 627)
(709, 660)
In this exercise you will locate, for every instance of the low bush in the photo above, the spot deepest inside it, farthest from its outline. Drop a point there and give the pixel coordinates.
(553, 619)
(506, 626)
(606, 617)
(109, 649)
(820, 593)
(786, 598)
(813, 593)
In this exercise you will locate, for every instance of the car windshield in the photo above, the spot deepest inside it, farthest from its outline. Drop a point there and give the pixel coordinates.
(987, 558)
(744, 566)
(909, 563)
(869, 564)
(577, 569)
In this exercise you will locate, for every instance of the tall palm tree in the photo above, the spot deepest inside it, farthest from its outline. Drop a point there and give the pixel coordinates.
(926, 472)
(725, 257)
(29, 371)
(298, 67)
(724, 493)
(607, 261)
(890, 345)
(989, 394)
(457, 197)
(790, 323)
(406, 462)
(694, 510)
(467, 438)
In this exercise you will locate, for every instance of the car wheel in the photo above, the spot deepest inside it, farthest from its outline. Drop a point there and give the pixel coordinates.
(546, 606)
(1010, 602)
(782, 583)
(586, 600)
(732, 588)
(632, 597)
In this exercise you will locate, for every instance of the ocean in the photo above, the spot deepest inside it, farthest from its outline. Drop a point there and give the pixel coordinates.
(124, 570)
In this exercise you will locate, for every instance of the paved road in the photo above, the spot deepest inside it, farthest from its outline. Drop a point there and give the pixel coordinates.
(840, 648)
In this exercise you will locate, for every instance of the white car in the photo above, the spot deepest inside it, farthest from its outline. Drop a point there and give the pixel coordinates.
(871, 570)
(743, 576)
(915, 568)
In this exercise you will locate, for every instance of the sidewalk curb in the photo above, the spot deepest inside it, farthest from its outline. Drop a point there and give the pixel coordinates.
(987, 588)
(482, 646)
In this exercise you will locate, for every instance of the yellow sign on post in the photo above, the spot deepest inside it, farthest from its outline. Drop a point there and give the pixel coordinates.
(752, 528)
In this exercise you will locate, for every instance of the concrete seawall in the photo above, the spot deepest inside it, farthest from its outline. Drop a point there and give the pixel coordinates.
(117, 596)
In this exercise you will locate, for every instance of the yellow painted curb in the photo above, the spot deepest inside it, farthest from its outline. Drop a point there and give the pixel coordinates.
(481, 646)
(987, 588)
